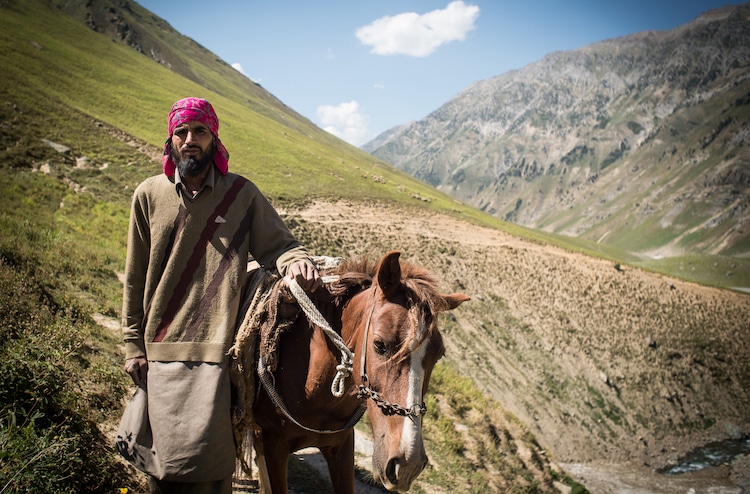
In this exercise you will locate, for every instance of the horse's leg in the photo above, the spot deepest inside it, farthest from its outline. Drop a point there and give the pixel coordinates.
(340, 459)
(272, 464)
(260, 458)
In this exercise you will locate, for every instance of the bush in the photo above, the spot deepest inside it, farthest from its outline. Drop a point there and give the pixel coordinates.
(54, 389)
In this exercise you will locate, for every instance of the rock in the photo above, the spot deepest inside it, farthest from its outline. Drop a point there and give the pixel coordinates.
(57, 147)
(734, 432)
(83, 162)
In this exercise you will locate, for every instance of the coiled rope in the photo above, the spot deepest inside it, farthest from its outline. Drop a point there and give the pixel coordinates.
(344, 369)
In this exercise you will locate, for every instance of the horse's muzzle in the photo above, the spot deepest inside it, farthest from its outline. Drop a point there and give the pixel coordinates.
(400, 473)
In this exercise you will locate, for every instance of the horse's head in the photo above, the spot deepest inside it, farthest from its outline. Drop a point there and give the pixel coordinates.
(396, 320)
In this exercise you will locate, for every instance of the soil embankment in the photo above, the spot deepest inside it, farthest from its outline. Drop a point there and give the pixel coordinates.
(613, 370)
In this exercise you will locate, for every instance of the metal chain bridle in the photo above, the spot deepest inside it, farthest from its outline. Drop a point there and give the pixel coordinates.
(343, 369)
(388, 408)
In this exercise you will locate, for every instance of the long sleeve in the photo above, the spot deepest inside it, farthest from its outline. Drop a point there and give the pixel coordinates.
(136, 269)
(271, 242)
(187, 263)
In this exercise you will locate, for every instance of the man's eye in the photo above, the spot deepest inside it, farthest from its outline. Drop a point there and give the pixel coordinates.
(197, 132)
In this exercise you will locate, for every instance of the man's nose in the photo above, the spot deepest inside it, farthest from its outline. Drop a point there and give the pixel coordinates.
(190, 137)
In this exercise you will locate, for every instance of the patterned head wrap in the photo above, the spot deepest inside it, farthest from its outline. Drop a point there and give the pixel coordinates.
(189, 110)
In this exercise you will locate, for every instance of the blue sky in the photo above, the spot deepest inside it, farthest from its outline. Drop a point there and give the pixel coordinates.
(360, 67)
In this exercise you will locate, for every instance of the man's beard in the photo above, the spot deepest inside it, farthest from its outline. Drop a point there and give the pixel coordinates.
(190, 166)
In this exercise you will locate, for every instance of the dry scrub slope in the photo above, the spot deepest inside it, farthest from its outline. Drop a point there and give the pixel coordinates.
(606, 364)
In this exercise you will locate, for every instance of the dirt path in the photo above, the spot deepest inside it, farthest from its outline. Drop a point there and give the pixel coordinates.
(312, 459)
(362, 458)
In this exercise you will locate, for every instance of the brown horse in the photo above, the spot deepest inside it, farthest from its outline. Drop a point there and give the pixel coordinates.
(387, 316)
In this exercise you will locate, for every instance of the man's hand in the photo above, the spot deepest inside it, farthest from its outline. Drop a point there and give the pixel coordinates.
(137, 368)
(305, 275)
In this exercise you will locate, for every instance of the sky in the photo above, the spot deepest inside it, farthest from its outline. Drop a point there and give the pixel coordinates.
(357, 68)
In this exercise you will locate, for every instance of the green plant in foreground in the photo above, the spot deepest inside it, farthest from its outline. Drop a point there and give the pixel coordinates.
(55, 387)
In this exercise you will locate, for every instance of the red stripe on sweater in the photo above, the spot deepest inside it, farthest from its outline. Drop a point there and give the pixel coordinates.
(177, 227)
(198, 253)
(218, 277)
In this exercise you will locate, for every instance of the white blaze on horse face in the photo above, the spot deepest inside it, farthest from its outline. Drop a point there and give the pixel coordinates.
(411, 434)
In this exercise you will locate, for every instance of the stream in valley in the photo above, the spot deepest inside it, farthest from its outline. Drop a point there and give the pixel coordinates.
(709, 455)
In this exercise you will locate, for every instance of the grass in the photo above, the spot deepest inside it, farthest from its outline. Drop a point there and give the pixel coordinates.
(476, 443)
(720, 271)
(59, 379)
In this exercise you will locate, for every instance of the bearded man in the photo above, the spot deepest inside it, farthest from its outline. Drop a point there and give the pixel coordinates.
(192, 231)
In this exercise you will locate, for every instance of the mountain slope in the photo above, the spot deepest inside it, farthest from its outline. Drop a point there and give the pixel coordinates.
(640, 142)
(81, 122)
(606, 366)
(127, 90)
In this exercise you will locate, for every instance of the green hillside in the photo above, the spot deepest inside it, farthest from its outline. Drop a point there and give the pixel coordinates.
(82, 122)
(53, 65)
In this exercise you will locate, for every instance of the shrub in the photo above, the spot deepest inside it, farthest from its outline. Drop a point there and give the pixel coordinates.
(49, 404)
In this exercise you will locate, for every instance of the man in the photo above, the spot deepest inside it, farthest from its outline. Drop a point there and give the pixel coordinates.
(192, 231)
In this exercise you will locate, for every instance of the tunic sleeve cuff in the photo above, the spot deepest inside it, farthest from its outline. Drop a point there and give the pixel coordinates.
(133, 349)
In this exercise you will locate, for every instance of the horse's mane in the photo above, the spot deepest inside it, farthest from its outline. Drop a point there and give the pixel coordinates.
(421, 287)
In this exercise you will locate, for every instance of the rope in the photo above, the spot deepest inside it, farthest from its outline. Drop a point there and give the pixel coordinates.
(267, 380)
(344, 369)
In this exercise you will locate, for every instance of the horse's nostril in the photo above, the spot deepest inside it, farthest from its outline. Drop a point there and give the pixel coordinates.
(391, 471)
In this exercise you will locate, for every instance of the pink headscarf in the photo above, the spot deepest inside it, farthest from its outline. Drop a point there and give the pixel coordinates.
(190, 110)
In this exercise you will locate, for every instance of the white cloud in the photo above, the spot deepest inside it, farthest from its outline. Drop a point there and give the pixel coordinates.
(345, 122)
(238, 68)
(419, 35)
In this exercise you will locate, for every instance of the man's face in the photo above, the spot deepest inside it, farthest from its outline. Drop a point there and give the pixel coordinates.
(192, 148)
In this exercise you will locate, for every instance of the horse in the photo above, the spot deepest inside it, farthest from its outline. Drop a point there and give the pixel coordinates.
(386, 313)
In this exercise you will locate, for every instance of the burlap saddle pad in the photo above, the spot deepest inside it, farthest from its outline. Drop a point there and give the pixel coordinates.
(268, 310)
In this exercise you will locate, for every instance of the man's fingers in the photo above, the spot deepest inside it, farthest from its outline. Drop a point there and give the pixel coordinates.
(305, 275)
(137, 369)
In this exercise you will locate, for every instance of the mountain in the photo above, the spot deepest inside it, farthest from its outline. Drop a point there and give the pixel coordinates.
(566, 357)
(640, 142)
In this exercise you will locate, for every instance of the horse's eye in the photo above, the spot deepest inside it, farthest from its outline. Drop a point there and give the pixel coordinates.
(380, 347)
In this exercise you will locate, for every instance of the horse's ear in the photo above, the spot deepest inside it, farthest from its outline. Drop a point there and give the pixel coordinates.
(455, 299)
(389, 273)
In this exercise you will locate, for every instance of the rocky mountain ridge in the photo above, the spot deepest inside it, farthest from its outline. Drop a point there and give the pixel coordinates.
(641, 142)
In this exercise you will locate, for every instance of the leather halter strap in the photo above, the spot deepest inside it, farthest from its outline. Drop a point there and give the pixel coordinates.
(363, 360)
